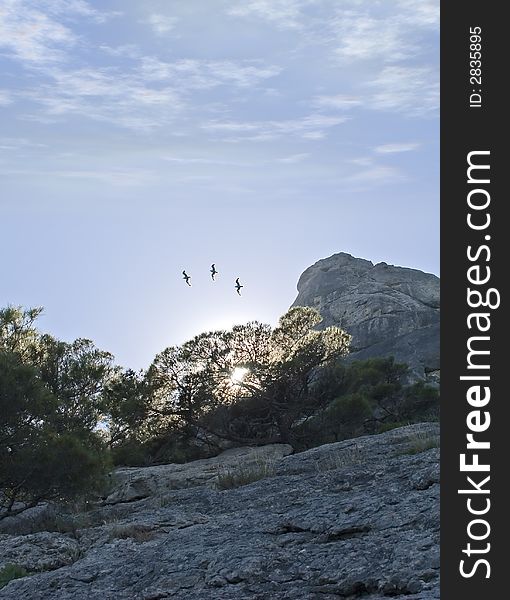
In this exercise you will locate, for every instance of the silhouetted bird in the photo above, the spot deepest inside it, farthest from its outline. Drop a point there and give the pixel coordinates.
(238, 286)
(186, 278)
(213, 271)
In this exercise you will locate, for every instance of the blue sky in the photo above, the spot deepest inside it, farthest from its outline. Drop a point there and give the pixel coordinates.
(141, 138)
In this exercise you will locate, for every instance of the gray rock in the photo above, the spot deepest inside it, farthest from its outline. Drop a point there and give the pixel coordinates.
(135, 483)
(43, 551)
(388, 310)
(355, 518)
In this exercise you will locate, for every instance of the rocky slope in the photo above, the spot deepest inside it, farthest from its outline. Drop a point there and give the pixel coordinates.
(388, 310)
(357, 518)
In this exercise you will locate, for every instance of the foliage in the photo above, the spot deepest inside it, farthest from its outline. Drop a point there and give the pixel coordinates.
(50, 404)
(139, 532)
(10, 572)
(37, 461)
(193, 383)
(67, 410)
(76, 374)
(126, 404)
(365, 397)
(237, 476)
(17, 332)
(421, 442)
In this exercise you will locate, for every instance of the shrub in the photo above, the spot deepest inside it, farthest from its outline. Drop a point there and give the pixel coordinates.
(10, 572)
(234, 477)
(421, 442)
(138, 532)
(344, 458)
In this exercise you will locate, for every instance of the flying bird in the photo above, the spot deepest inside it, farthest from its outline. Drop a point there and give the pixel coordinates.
(238, 286)
(186, 278)
(213, 271)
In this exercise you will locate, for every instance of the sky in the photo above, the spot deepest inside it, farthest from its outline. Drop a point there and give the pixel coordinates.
(138, 139)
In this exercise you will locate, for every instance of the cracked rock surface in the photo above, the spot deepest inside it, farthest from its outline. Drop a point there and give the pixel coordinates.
(388, 310)
(353, 519)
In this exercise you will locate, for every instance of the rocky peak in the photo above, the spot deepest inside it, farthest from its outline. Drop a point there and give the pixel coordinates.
(388, 310)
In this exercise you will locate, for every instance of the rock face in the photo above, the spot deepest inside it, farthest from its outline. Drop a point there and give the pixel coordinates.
(357, 518)
(388, 310)
(135, 483)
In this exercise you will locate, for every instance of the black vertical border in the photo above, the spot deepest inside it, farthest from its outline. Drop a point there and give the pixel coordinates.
(464, 129)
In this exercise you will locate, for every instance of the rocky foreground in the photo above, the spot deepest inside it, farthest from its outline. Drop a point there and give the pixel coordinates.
(354, 519)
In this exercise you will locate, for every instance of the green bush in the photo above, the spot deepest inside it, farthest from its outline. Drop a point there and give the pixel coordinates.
(421, 442)
(10, 572)
(234, 477)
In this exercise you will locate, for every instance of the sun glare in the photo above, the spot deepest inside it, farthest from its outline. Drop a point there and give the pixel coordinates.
(238, 374)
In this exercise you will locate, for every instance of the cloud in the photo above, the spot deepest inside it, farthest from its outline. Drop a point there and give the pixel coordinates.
(30, 35)
(340, 102)
(204, 74)
(411, 90)
(394, 148)
(10, 143)
(106, 94)
(5, 98)
(376, 175)
(115, 177)
(361, 36)
(293, 159)
(286, 14)
(204, 161)
(70, 9)
(34, 31)
(309, 127)
(354, 29)
(124, 50)
(420, 13)
(161, 24)
(145, 96)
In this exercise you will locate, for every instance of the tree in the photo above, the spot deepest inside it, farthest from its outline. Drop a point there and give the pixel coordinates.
(125, 401)
(51, 402)
(37, 462)
(17, 332)
(251, 365)
(76, 373)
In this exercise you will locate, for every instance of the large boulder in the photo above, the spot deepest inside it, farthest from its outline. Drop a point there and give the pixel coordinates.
(388, 310)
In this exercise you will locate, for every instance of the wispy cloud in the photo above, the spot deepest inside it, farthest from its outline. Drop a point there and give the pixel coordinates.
(124, 50)
(30, 35)
(375, 175)
(105, 94)
(5, 98)
(411, 90)
(115, 177)
(395, 148)
(309, 127)
(199, 160)
(203, 74)
(37, 31)
(339, 101)
(286, 14)
(147, 95)
(71, 9)
(161, 24)
(293, 158)
(361, 36)
(15, 143)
